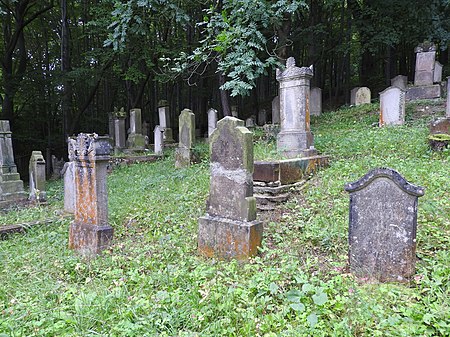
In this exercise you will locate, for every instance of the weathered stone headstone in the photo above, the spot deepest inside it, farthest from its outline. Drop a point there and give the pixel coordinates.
(250, 122)
(392, 106)
(262, 117)
(111, 128)
(164, 120)
(11, 187)
(57, 165)
(360, 95)
(425, 61)
(316, 101)
(234, 111)
(230, 229)
(437, 75)
(36, 170)
(183, 154)
(212, 121)
(295, 138)
(68, 173)
(90, 232)
(159, 140)
(382, 226)
(276, 110)
(136, 140)
(447, 108)
(400, 81)
(440, 126)
(119, 130)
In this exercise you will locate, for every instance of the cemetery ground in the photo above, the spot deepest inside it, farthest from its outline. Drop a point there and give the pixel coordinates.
(152, 282)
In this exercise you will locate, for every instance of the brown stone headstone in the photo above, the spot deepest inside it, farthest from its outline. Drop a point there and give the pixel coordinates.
(382, 228)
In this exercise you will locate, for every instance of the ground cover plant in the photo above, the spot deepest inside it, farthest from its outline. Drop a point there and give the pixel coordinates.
(151, 282)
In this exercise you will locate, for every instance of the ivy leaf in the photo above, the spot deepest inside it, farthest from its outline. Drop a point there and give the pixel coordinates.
(299, 307)
(312, 319)
(320, 298)
(293, 295)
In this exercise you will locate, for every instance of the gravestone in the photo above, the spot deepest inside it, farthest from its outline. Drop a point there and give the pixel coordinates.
(11, 187)
(316, 101)
(57, 166)
(262, 117)
(360, 95)
(164, 120)
(136, 140)
(230, 229)
(68, 173)
(276, 110)
(295, 138)
(250, 122)
(447, 108)
(111, 129)
(382, 226)
(234, 111)
(440, 126)
(400, 81)
(183, 153)
(212, 121)
(437, 75)
(36, 169)
(425, 62)
(159, 140)
(90, 232)
(119, 130)
(392, 106)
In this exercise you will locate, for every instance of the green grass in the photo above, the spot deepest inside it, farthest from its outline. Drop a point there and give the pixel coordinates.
(152, 282)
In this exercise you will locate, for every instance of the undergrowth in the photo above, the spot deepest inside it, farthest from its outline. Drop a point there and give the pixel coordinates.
(151, 282)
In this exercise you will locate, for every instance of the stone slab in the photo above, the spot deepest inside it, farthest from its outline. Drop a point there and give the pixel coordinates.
(228, 239)
(89, 239)
(441, 125)
(424, 92)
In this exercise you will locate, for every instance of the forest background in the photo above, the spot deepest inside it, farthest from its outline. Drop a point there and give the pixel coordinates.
(65, 65)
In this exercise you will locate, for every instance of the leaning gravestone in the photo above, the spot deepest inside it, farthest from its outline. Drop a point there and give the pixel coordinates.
(183, 153)
(212, 121)
(295, 138)
(164, 120)
(230, 229)
(136, 140)
(316, 101)
(382, 226)
(90, 232)
(11, 187)
(276, 110)
(360, 95)
(392, 106)
(400, 81)
(36, 170)
(159, 140)
(68, 173)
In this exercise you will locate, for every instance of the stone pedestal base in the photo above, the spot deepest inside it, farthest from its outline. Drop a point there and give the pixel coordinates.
(168, 135)
(12, 187)
(136, 142)
(89, 239)
(424, 92)
(295, 143)
(228, 239)
(183, 157)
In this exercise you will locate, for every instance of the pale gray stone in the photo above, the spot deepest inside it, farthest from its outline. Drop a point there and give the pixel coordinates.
(316, 101)
(392, 106)
(424, 92)
(234, 111)
(424, 72)
(276, 110)
(360, 95)
(164, 121)
(250, 122)
(36, 170)
(159, 139)
(120, 136)
(437, 75)
(184, 153)
(136, 140)
(212, 121)
(382, 226)
(400, 81)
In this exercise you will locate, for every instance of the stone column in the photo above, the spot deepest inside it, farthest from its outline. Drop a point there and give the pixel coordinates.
(183, 153)
(159, 140)
(36, 169)
(230, 229)
(164, 120)
(68, 173)
(212, 121)
(136, 141)
(447, 113)
(295, 138)
(90, 232)
(119, 130)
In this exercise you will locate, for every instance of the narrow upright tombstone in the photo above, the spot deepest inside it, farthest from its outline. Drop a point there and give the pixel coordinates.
(250, 122)
(119, 130)
(316, 101)
(360, 95)
(36, 169)
(382, 226)
(212, 121)
(230, 229)
(400, 81)
(111, 128)
(136, 140)
(159, 139)
(164, 120)
(234, 111)
(262, 117)
(447, 109)
(183, 153)
(392, 106)
(437, 74)
(276, 110)
(90, 232)
(425, 62)
(68, 172)
(11, 187)
(295, 138)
